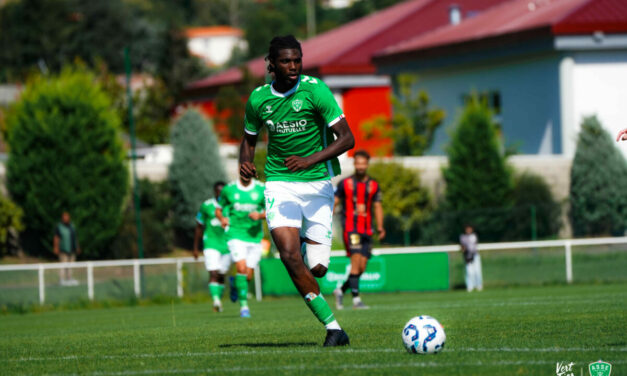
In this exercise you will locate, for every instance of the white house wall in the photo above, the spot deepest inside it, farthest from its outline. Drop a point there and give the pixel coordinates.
(599, 82)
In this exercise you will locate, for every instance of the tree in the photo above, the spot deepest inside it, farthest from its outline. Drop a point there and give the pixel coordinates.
(479, 182)
(413, 123)
(66, 154)
(405, 201)
(231, 105)
(598, 204)
(11, 221)
(195, 167)
(533, 202)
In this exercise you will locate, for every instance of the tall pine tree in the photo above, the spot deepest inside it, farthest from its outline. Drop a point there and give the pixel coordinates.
(479, 182)
(195, 167)
(598, 180)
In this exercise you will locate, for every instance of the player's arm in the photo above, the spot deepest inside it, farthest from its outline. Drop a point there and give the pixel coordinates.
(257, 216)
(622, 135)
(247, 167)
(197, 236)
(224, 221)
(378, 216)
(344, 141)
(55, 244)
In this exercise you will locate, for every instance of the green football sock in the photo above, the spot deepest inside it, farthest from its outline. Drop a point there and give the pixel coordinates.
(215, 290)
(242, 289)
(320, 308)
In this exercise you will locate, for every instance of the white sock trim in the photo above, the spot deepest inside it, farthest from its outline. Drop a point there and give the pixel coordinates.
(333, 325)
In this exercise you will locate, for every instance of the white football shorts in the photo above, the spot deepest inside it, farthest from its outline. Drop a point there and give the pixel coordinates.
(304, 205)
(249, 251)
(214, 260)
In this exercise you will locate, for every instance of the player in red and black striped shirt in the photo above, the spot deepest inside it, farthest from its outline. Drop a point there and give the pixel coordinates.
(360, 197)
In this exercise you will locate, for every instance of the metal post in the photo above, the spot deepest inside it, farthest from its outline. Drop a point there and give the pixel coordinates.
(179, 278)
(534, 228)
(569, 262)
(258, 283)
(131, 123)
(90, 281)
(136, 281)
(311, 18)
(42, 288)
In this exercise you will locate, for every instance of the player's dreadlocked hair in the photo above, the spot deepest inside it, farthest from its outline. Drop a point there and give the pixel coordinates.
(281, 43)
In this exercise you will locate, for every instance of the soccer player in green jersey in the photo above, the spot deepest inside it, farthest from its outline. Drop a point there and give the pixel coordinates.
(217, 256)
(243, 203)
(307, 131)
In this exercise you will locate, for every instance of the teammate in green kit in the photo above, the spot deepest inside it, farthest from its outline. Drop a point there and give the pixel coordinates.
(241, 211)
(307, 131)
(217, 256)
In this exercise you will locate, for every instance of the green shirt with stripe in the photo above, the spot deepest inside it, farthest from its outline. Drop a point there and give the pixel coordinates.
(213, 236)
(298, 123)
(237, 202)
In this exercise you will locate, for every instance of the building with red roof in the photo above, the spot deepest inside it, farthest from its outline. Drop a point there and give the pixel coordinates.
(342, 57)
(542, 64)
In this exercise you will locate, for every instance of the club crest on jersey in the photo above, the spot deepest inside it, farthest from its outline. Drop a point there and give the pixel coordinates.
(297, 105)
(268, 109)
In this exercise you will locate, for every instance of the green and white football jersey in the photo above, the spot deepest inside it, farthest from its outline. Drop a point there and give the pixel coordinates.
(213, 236)
(237, 202)
(299, 123)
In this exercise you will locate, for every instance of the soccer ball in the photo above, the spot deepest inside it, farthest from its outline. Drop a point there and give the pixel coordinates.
(423, 335)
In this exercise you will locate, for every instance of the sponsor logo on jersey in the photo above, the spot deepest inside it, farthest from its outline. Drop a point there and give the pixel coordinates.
(288, 126)
(245, 207)
(297, 105)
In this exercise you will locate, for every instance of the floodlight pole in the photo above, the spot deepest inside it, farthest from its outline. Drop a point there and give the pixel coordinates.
(129, 96)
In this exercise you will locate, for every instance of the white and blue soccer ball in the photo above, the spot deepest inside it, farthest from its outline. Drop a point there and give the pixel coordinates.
(423, 335)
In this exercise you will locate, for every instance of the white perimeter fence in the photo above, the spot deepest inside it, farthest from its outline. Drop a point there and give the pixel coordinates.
(90, 266)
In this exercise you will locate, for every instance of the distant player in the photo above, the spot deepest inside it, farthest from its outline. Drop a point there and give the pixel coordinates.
(302, 117)
(622, 135)
(360, 197)
(217, 256)
(241, 211)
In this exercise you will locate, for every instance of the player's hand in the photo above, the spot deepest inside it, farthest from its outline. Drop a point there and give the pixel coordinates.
(247, 170)
(295, 163)
(622, 135)
(224, 222)
(381, 232)
(254, 216)
(195, 254)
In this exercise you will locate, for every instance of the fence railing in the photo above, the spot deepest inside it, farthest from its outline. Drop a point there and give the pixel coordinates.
(137, 264)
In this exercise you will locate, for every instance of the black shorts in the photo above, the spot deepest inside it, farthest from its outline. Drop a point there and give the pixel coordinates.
(358, 243)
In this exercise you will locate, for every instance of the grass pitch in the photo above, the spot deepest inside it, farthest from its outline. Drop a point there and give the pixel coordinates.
(517, 331)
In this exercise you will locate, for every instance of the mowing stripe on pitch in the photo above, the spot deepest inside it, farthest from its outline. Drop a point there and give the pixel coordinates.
(310, 367)
(312, 350)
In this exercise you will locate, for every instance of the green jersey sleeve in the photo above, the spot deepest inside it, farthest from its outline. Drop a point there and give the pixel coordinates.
(252, 122)
(223, 202)
(326, 104)
(201, 217)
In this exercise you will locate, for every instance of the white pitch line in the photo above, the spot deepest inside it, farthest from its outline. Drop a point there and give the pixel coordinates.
(310, 367)
(311, 350)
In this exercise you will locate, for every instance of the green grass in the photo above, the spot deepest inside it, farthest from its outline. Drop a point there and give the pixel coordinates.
(515, 331)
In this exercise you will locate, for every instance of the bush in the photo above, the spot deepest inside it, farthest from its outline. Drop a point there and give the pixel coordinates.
(598, 203)
(405, 201)
(10, 222)
(155, 202)
(478, 177)
(195, 167)
(532, 193)
(66, 154)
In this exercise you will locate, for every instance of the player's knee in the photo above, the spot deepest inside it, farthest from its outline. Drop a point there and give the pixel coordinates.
(319, 271)
(318, 256)
(291, 259)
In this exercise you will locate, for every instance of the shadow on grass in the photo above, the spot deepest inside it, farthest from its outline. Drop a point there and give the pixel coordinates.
(267, 344)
